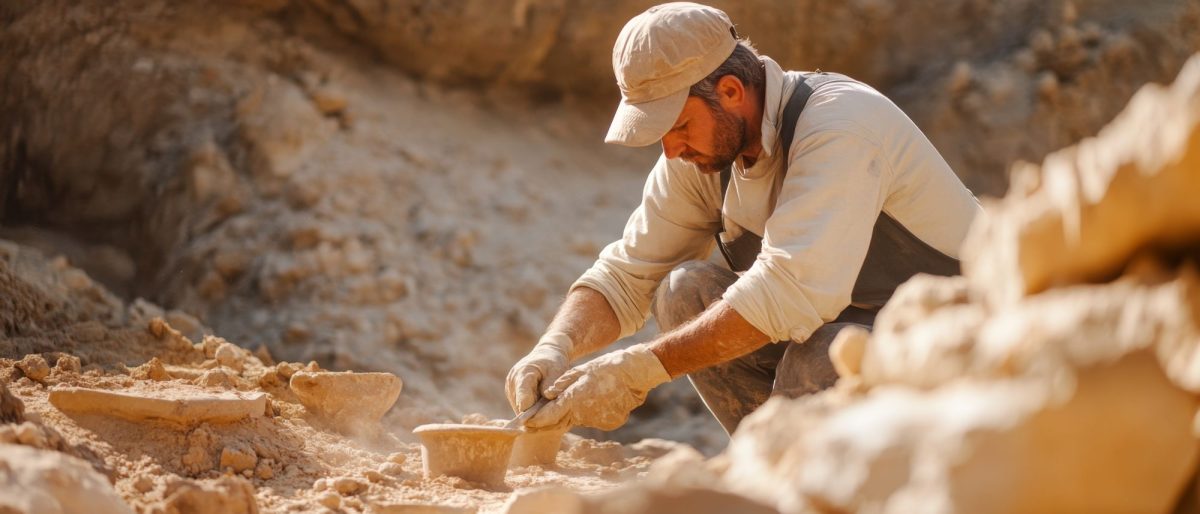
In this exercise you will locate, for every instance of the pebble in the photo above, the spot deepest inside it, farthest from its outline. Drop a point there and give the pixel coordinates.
(330, 500)
(34, 367)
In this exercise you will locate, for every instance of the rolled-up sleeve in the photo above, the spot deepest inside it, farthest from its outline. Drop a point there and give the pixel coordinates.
(816, 240)
(674, 223)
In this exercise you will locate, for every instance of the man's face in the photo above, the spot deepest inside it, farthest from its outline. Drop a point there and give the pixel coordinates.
(706, 135)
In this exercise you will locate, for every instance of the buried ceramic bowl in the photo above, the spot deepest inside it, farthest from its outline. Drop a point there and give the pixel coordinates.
(476, 453)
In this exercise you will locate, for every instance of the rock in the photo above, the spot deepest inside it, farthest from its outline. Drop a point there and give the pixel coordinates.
(348, 486)
(353, 402)
(181, 406)
(263, 470)
(556, 499)
(215, 378)
(649, 499)
(68, 363)
(151, 370)
(34, 367)
(391, 468)
(239, 457)
(29, 434)
(34, 481)
(1092, 206)
(143, 484)
(330, 500)
(230, 356)
(225, 495)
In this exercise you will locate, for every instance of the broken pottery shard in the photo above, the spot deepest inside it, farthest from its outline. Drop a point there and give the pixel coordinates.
(353, 402)
(1094, 205)
(177, 406)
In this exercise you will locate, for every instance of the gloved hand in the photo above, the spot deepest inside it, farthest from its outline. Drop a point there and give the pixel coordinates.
(602, 392)
(549, 359)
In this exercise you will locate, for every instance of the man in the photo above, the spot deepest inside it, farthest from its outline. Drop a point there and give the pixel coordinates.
(823, 197)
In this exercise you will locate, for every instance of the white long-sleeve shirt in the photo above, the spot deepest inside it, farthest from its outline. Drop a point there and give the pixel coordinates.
(854, 155)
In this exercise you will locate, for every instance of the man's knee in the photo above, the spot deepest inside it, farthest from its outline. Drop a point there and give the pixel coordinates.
(689, 289)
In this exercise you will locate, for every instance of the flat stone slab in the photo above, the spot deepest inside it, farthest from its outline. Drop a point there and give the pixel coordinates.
(184, 406)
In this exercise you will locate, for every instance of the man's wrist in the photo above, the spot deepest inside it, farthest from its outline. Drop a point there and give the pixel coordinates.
(654, 372)
(559, 341)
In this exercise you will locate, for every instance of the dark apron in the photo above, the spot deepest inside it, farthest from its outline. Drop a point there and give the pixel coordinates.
(894, 255)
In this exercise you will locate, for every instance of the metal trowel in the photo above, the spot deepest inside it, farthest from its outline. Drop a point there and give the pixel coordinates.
(519, 421)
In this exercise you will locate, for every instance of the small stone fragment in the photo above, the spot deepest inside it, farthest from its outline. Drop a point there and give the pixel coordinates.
(34, 367)
(215, 378)
(151, 370)
(229, 355)
(238, 457)
(330, 500)
(348, 486)
(391, 468)
(157, 327)
(398, 458)
(264, 471)
(225, 495)
(287, 369)
(68, 363)
(143, 484)
(29, 435)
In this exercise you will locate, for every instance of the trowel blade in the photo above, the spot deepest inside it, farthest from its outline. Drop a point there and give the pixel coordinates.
(519, 421)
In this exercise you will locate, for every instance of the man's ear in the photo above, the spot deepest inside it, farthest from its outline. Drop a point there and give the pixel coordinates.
(731, 92)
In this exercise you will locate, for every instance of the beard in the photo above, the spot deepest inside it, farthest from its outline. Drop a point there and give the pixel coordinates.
(729, 140)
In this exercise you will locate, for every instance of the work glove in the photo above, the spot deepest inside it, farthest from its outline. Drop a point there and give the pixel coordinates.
(602, 392)
(533, 374)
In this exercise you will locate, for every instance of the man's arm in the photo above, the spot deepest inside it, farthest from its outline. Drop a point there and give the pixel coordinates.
(717, 335)
(588, 319)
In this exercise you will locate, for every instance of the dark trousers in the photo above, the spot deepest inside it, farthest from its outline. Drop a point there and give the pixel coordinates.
(733, 389)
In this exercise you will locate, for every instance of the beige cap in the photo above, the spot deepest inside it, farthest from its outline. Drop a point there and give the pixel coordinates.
(659, 55)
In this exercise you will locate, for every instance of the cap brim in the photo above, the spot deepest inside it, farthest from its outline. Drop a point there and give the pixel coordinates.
(645, 123)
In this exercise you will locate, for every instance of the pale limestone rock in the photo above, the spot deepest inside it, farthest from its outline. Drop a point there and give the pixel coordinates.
(1094, 205)
(239, 457)
(559, 500)
(225, 495)
(330, 500)
(347, 485)
(230, 356)
(353, 402)
(182, 406)
(36, 481)
(34, 367)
